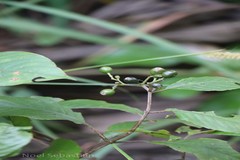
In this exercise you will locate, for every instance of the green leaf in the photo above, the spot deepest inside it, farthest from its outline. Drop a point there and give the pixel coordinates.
(188, 130)
(208, 120)
(41, 109)
(122, 126)
(96, 104)
(223, 103)
(204, 148)
(178, 94)
(205, 84)
(20, 121)
(12, 139)
(61, 149)
(22, 67)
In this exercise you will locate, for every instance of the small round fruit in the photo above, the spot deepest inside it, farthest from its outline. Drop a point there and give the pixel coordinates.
(169, 74)
(156, 85)
(157, 71)
(131, 80)
(105, 69)
(107, 92)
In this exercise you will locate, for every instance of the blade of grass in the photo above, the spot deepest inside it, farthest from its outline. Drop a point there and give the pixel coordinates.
(12, 10)
(135, 61)
(31, 26)
(107, 25)
(71, 84)
(122, 152)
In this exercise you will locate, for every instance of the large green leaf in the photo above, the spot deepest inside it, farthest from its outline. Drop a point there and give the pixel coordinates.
(61, 149)
(37, 108)
(204, 148)
(208, 120)
(12, 139)
(96, 104)
(205, 84)
(22, 67)
(224, 103)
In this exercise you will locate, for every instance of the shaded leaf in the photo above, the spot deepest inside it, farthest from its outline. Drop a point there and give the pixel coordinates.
(20, 121)
(205, 84)
(204, 148)
(22, 67)
(208, 120)
(218, 103)
(41, 109)
(96, 104)
(61, 149)
(12, 139)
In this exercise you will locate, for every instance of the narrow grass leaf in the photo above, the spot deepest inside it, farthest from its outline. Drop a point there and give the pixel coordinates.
(122, 152)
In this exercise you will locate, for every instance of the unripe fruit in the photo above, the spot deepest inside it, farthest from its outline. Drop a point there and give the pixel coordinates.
(156, 71)
(131, 80)
(169, 74)
(105, 69)
(156, 85)
(107, 92)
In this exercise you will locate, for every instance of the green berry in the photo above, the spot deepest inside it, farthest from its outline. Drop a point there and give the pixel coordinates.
(156, 85)
(107, 92)
(131, 80)
(169, 74)
(157, 71)
(105, 69)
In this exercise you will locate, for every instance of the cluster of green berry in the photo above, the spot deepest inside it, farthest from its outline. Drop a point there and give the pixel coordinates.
(157, 75)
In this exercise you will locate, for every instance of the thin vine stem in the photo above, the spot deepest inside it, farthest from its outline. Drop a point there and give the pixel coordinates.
(121, 136)
(97, 132)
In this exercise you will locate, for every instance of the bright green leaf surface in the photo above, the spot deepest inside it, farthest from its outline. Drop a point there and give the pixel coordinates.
(12, 139)
(41, 109)
(208, 120)
(179, 94)
(204, 148)
(61, 149)
(206, 84)
(96, 104)
(122, 126)
(20, 121)
(22, 67)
